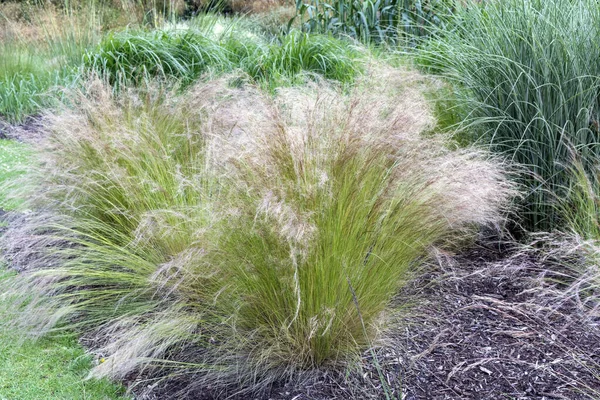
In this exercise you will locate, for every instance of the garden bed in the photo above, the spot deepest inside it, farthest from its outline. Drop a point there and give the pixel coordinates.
(486, 324)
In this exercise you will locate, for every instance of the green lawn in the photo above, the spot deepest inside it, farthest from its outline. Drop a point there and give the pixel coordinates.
(52, 368)
(13, 161)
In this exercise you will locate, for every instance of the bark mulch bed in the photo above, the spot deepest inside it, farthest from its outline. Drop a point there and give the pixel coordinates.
(499, 329)
(31, 130)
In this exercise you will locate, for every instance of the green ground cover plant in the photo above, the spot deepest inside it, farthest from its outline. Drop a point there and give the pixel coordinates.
(236, 237)
(527, 77)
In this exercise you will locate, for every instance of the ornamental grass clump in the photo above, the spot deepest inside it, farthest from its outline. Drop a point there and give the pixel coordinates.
(529, 73)
(294, 55)
(132, 57)
(184, 55)
(123, 194)
(233, 237)
(339, 203)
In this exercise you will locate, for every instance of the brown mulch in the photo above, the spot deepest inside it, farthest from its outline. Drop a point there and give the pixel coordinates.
(496, 329)
(477, 326)
(32, 130)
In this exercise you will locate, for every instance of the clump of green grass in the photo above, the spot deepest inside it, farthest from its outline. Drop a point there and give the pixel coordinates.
(24, 82)
(131, 56)
(229, 236)
(133, 173)
(529, 79)
(186, 54)
(338, 209)
(298, 53)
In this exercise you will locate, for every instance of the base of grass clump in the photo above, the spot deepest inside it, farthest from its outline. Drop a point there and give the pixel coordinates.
(493, 315)
(235, 237)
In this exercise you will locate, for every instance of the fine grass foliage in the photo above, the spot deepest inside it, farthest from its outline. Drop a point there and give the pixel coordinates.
(298, 53)
(341, 208)
(581, 207)
(527, 76)
(228, 237)
(24, 82)
(134, 56)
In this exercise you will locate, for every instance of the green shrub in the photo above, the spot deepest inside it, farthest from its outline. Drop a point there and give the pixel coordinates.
(376, 21)
(530, 77)
(232, 235)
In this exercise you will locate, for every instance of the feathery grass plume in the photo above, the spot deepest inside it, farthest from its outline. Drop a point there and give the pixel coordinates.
(530, 78)
(335, 190)
(114, 245)
(215, 236)
(124, 194)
